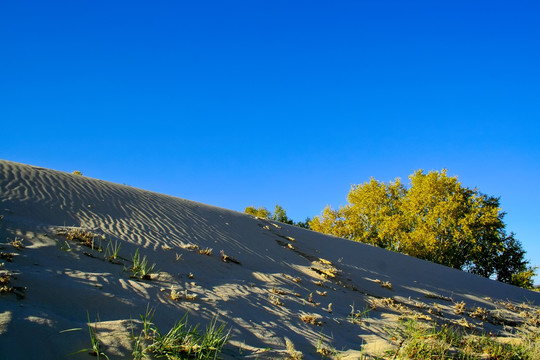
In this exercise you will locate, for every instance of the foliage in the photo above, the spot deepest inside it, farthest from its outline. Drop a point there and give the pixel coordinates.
(303, 224)
(429, 341)
(436, 219)
(260, 212)
(279, 214)
(524, 279)
(77, 172)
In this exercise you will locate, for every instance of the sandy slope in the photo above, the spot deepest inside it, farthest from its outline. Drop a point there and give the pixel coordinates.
(62, 286)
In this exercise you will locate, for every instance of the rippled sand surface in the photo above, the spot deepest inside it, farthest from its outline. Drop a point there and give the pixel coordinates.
(274, 278)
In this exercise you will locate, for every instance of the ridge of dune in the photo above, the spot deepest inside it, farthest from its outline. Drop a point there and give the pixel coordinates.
(279, 274)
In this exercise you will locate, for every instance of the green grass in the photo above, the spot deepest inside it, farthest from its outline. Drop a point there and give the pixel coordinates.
(141, 269)
(356, 317)
(112, 250)
(95, 349)
(65, 246)
(181, 342)
(429, 341)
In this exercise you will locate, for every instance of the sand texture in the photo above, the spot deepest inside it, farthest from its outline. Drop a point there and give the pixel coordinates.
(278, 281)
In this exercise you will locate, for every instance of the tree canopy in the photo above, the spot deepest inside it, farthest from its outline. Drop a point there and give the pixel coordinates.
(436, 219)
(279, 214)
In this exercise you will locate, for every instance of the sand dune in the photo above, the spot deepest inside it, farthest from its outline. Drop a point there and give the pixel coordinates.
(278, 274)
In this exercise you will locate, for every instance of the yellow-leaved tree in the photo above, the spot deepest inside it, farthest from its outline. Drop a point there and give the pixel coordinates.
(436, 218)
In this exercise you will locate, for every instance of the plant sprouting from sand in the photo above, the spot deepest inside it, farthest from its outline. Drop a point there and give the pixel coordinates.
(431, 341)
(438, 297)
(112, 250)
(96, 348)
(329, 350)
(329, 309)
(357, 316)
(190, 297)
(275, 301)
(181, 342)
(65, 246)
(292, 352)
(226, 258)
(5, 279)
(206, 251)
(6, 256)
(83, 237)
(17, 244)
(96, 344)
(459, 307)
(175, 295)
(384, 284)
(479, 313)
(277, 291)
(311, 319)
(141, 269)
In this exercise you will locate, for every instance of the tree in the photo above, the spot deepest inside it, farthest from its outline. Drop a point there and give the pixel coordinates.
(304, 224)
(436, 219)
(279, 214)
(260, 212)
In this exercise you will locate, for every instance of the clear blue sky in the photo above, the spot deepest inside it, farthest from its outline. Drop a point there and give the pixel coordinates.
(237, 103)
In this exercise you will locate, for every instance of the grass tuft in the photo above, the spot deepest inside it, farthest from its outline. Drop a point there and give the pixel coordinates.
(181, 342)
(356, 317)
(112, 250)
(459, 307)
(311, 319)
(292, 352)
(226, 258)
(5, 280)
(96, 348)
(6, 256)
(206, 251)
(175, 295)
(17, 244)
(141, 269)
(430, 341)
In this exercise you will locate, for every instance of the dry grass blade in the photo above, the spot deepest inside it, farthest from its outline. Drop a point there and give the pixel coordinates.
(6, 256)
(311, 319)
(226, 258)
(292, 352)
(17, 244)
(206, 251)
(5, 280)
